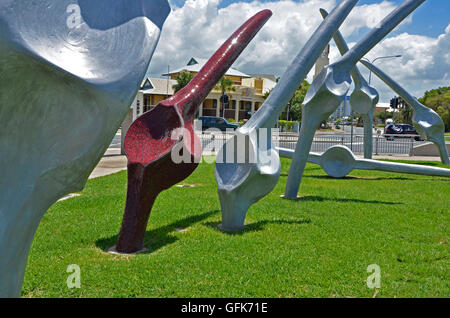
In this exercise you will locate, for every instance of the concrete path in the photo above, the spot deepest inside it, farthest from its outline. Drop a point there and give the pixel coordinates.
(111, 162)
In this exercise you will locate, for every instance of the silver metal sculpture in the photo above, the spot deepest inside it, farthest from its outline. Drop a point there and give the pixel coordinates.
(363, 99)
(69, 70)
(339, 161)
(426, 121)
(329, 89)
(242, 183)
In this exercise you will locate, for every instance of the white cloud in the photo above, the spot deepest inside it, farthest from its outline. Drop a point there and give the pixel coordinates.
(200, 27)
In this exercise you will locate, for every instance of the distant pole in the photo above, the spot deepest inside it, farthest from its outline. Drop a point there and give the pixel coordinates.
(351, 133)
(379, 58)
(287, 117)
(168, 80)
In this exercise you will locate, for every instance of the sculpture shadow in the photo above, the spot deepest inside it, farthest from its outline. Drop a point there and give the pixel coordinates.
(160, 237)
(318, 198)
(254, 227)
(377, 178)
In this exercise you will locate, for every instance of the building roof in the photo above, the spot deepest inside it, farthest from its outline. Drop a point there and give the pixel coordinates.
(158, 86)
(266, 76)
(195, 65)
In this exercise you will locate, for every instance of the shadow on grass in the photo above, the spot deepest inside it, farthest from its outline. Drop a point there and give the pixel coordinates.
(322, 199)
(160, 237)
(376, 178)
(256, 226)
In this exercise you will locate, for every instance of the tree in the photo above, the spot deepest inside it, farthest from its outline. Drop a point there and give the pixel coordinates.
(225, 85)
(407, 113)
(295, 104)
(439, 100)
(297, 101)
(182, 80)
(383, 116)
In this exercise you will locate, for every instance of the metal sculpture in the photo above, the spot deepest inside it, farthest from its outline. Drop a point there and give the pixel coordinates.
(69, 71)
(245, 178)
(339, 161)
(426, 121)
(153, 137)
(363, 99)
(329, 89)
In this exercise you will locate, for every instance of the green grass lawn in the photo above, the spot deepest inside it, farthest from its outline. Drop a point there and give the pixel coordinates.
(318, 246)
(447, 136)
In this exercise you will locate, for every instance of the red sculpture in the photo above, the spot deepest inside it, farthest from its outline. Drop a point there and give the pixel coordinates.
(152, 137)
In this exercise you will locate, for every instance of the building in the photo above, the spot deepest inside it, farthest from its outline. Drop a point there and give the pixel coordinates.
(322, 61)
(246, 98)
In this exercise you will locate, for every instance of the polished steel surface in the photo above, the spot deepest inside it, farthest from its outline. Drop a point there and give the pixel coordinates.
(339, 161)
(243, 183)
(426, 121)
(330, 87)
(363, 99)
(69, 71)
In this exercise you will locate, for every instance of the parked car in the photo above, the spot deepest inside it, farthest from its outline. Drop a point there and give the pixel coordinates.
(216, 122)
(392, 131)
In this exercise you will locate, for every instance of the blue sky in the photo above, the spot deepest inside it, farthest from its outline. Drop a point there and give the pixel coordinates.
(196, 28)
(431, 18)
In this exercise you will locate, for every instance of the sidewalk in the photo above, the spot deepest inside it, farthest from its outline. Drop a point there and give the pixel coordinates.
(111, 162)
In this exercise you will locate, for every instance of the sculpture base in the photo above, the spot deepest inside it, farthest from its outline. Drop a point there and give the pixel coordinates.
(234, 229)
(112, 250)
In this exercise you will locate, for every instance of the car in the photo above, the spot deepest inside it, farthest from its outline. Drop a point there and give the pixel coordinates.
(217, 123)
(392, 131)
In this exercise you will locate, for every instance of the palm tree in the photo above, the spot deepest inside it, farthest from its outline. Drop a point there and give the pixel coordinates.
(182, 80)
(225, 85)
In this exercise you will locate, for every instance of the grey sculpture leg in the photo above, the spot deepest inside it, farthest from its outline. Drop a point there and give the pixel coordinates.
(368, 135)
(441, 144)
(242, 184)
(307, 133)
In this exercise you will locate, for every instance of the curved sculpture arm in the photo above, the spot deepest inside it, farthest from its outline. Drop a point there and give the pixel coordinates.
(329, 89)
(289, 153)
(339, 161)
(151, 166)
(401, 168)
(407, 97)
(378, 33)
(427, 122)
(200, 86)
(343, 48)
(241, 184)
(268, 114)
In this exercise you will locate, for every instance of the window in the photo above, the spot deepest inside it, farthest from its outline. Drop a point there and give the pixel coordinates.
(214, 103)
(138, 107)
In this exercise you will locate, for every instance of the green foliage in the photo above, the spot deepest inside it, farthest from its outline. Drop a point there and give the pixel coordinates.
(225, 85)
(286, 125)
(406, 113)
(383, 116)
(297, 101)
(295, 104)
(439, 100)
(182, 80)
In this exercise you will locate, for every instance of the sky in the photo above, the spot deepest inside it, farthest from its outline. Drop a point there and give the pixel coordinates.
(196, 28)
